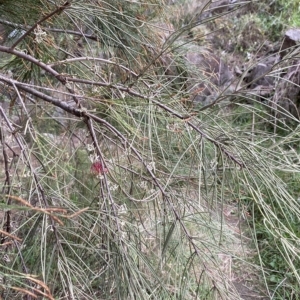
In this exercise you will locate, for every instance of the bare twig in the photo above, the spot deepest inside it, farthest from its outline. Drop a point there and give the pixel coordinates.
(56, 11)
(73, 32)
(10, 235)
(64, 78)
(89, 58)
(68, 108)
(5, 156)
(108, 85)
(7, 184)
(81, 112)
(35, 177)
(35, 61)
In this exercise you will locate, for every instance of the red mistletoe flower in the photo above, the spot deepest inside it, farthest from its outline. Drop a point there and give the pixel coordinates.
(98, 168)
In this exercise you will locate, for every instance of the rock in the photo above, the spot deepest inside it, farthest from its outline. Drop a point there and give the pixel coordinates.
(201, 10)
(261, 77)
(258, 76)
(291, 39)
(219, 7)
(209, 74)
(287, 97)
(262, 90)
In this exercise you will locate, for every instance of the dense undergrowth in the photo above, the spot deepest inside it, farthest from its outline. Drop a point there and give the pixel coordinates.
(114, 184)
(276, 249)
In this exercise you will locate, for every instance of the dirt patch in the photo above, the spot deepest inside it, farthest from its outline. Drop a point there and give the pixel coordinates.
(244, 277)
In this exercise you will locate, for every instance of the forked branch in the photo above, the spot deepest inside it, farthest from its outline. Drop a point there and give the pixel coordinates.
(56, 11)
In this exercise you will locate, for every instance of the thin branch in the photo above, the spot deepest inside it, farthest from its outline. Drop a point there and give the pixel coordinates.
(108, 85)
(89, 58)
(63, 78)
(203, 134)
(73, 32)
(5, 156)
(56, 102)
(56, 11)
(99, 152)
(7, 182)
(32, 170)
(61, 124)
(81, 112)
(35, 61)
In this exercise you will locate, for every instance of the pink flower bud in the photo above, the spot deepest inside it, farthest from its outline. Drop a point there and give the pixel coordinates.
(97, 168)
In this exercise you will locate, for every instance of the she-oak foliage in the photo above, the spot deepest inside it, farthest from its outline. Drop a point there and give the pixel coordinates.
(112, 187)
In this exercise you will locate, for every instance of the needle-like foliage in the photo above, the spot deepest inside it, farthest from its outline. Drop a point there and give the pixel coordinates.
(114, 186)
